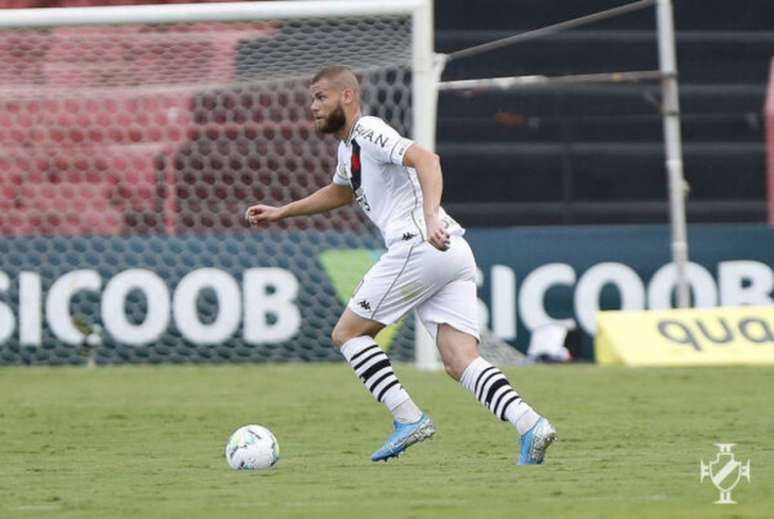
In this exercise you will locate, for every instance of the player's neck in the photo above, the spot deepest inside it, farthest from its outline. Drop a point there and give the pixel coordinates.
(344, 132)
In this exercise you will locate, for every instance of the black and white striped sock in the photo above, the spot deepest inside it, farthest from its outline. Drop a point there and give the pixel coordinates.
(374, 369)
(493, 390)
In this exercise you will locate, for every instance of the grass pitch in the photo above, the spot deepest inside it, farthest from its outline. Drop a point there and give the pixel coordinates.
(148, 442)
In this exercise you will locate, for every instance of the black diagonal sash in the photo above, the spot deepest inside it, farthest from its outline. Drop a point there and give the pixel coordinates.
(356, 166)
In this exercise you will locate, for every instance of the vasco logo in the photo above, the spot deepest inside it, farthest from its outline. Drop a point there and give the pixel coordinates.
(725, 472)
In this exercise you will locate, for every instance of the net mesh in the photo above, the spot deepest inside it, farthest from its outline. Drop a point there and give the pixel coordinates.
(164, 128)
(119, 143)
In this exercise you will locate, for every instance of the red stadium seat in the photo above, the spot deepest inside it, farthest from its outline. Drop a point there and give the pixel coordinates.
(66, 190)
(101, 130)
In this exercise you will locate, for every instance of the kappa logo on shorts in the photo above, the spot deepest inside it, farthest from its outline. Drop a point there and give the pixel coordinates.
(365, 305)
(408, 235)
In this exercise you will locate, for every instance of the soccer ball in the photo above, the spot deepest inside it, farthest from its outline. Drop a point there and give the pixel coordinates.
(252, 447)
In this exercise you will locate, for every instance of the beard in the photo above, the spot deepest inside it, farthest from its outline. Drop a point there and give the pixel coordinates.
(334, 122)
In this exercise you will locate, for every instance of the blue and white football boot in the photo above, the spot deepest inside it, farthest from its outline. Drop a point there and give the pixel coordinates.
(535, 442)
(403, 436)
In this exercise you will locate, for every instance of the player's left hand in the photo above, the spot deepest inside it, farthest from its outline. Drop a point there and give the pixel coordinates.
(437, 235)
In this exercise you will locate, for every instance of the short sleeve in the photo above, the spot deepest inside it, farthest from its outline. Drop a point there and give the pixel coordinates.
(381, 140)
(399, 150)
(339, 177)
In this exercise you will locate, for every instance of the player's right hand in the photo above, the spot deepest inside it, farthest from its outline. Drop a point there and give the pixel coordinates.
(262, 214)
(437, 234)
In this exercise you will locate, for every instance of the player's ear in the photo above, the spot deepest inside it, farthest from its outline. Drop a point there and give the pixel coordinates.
(348, 96)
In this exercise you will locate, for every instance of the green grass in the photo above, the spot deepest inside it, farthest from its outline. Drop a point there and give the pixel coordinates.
(148, 442)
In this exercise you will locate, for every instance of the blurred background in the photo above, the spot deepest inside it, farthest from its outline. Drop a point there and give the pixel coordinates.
(594, 153)
(129, 153)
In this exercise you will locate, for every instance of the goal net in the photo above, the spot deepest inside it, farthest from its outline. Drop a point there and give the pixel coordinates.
(131, 141)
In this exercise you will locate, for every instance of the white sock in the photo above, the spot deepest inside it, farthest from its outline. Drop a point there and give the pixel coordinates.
(407, 412)
(373, 368)
(492, 389)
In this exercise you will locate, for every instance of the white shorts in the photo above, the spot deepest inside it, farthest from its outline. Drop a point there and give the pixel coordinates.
(440, 285)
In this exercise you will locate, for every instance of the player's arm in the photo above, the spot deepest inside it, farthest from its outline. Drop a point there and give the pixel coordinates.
(428, 167)
(324, 199)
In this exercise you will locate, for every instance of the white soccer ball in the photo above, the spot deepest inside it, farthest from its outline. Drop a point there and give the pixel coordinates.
(252, 447)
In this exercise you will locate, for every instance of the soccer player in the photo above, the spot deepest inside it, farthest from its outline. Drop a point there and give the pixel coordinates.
(428, 266)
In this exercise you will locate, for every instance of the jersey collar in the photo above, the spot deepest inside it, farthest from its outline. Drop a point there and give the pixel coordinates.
(348, 140)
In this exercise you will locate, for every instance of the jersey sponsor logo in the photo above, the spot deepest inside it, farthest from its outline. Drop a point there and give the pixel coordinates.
(371, 136)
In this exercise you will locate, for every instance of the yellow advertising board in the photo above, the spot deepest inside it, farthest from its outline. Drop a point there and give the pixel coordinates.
(691, 337)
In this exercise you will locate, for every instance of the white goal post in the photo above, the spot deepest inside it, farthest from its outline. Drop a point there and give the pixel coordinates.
(420, 106)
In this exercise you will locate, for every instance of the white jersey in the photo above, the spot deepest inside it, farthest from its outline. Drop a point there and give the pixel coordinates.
(370, 161)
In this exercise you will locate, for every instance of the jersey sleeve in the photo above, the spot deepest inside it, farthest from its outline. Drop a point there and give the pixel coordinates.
(382, 141)
(340, 175)
(339, 178)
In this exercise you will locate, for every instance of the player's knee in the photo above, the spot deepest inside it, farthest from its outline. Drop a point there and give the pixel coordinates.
(453, 368)
(341, 334)
(339, 337)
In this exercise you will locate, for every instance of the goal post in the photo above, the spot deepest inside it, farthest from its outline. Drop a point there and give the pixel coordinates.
(133, 137)
(204, 12)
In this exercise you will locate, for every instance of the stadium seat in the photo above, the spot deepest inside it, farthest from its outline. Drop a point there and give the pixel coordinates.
(584, 146)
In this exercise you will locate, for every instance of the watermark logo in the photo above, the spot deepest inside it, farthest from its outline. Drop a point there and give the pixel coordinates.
(725, 472)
